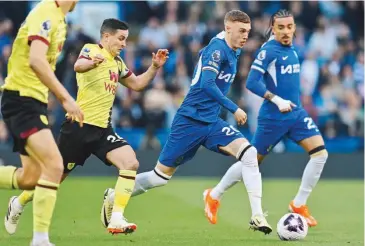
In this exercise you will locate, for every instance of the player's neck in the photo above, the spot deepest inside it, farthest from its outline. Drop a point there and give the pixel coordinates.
(105, 46)
(229, 43)
(65, 7)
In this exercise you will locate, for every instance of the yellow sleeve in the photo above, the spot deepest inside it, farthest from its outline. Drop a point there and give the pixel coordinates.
(41, 26)
(124, 71)
(87, 52)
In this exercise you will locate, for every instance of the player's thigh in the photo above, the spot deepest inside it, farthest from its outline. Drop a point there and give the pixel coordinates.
(224, 138)
(234, 147)
(185, 138)
(42, 147)
(268, 133)
(306, 133)
(29, 174)
(124, 158)
(115, 150)
(311, 143)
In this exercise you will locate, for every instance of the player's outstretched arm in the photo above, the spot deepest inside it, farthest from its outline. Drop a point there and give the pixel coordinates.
(39, 64)
(138, 83)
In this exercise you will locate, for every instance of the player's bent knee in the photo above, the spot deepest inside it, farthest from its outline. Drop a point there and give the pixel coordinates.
(53, 168)
(247, 151)
(132, 164)
(27, 181)
(28, 184)
(319, 153)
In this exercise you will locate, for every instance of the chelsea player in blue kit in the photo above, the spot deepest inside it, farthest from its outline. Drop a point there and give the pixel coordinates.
(197, 122)
(274, 75)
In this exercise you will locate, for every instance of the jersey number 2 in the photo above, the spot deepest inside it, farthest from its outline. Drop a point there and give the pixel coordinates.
(310, 124)
(229, 131)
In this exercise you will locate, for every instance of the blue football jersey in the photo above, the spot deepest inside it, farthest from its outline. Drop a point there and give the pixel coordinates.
(281, 68)
(218, 57)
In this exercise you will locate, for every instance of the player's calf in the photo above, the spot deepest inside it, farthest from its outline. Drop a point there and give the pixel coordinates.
(125, 160)
(144, 182)
(311, 175)
(251, 176)
(149, 180)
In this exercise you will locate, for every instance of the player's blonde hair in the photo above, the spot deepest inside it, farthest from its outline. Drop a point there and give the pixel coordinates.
(237, 15)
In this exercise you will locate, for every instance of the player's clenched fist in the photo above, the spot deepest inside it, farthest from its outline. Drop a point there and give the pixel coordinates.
(73, 110)
(283, 105)
(240, 116)
(159, 59)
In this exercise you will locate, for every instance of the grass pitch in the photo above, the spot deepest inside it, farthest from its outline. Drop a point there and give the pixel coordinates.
(174, 215)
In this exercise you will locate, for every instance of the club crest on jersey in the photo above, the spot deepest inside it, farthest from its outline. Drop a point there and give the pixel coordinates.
(216, 55)
(262, 55)
(85, 52)
(71, 165)
(45, 28)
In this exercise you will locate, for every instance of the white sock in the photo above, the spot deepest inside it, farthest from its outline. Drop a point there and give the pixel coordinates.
(17, 204)
(230, 178)
(117, 216)
(148, 180)
(39, 237)
(311, 175)
(252, 179)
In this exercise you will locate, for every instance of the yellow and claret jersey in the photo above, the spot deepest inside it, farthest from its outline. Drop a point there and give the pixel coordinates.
(45, 23)
(97, 87)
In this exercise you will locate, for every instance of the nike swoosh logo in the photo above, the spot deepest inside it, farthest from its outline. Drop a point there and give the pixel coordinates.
(285, 57)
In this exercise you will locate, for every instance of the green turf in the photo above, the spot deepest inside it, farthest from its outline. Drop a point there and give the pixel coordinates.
(173, 215)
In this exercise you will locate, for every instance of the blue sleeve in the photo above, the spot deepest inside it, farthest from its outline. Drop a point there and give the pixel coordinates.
(265, 56)
(211, 89)
(259, 67)
(255, 84)
(212, 58)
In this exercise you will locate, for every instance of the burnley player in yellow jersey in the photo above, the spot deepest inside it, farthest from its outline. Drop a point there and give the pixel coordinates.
(99, 69)
(24, 108)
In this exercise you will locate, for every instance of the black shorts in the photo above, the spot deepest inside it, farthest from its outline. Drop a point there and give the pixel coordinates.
(23, 117)
(77, 143)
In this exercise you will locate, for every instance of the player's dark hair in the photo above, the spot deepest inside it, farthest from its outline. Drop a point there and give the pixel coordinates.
(282, 13)
(237, 15)
(112, 25)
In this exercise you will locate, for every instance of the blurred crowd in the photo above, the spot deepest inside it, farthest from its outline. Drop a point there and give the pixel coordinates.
(329, 40)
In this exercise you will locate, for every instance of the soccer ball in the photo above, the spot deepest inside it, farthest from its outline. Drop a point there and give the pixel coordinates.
(292, 227)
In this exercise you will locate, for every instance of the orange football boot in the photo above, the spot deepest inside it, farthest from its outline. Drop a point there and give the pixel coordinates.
(211, 207)
(303, 211)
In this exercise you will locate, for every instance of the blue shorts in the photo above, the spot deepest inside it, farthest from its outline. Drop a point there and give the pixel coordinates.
(269, 131)
(187, 135)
